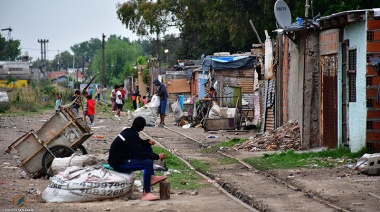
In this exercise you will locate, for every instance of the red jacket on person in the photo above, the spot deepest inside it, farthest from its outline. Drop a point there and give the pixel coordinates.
(90, 107)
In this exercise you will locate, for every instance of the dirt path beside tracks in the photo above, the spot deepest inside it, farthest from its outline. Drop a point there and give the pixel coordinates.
(318, 189)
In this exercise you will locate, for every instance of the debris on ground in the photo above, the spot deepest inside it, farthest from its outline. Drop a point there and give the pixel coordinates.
(369, 164)
(286, 137)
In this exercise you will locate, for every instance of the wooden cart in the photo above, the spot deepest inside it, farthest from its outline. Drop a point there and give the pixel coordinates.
(62, 135)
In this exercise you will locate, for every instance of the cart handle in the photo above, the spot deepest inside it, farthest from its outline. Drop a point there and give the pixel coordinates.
(9, 150)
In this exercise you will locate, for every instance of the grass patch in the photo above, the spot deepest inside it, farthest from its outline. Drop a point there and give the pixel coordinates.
(182, 177)
(202, 167)
(227, 160)
(291, 159)
(231, 142)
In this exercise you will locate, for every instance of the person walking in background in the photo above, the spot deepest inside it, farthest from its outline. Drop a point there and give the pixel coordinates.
(147, 93)
(128, 153)
(119, 103)
(144, 100)
(58, 102)
(135, 93)
(98, 90)
(90, 109)
(113, 98)
(76, 105)
(85, 94)
(90, 91)
(163, 94)
(104, 92)
(138, 100)
(121, 88)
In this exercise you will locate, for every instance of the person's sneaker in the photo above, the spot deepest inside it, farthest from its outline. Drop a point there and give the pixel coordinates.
(156, 179)
(149, 197)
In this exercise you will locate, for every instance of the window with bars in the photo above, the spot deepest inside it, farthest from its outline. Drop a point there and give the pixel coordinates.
(352, 75)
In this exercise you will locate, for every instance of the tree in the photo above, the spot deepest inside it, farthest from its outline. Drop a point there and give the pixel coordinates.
(120, 56)
(62, 60)
(87, 48)
(146, 18)
(9, 50)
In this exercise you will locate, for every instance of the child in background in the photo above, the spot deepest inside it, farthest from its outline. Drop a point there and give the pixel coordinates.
(138, 99)
(90, 109)
(144, 100)
(85, 94)
(77, 103)
(58, 102)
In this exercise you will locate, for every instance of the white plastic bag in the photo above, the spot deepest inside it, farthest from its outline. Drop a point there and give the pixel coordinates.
(149, 114)
(214, 112)
(154, 102)
(176, 108)
(78, 184)
(61, 164)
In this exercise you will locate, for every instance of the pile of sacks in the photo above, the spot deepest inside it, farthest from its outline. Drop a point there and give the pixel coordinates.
(221, 112)
(286, 137)
(148, 112)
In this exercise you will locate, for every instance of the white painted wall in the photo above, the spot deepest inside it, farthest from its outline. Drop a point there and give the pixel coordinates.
(357, 111)
(295, 85)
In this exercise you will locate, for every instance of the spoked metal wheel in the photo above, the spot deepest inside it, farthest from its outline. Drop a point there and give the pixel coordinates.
(58, 151)
(81, 150)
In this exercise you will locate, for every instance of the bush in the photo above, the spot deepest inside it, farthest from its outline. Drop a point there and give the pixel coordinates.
(4, 106)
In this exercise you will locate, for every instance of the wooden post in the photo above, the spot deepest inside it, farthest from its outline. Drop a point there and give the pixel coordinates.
(164, 190)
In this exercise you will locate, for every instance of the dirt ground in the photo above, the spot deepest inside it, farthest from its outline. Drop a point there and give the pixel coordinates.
(341, 186)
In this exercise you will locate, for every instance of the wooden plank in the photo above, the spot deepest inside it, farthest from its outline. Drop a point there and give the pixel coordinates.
(373, 24)
(178, 86)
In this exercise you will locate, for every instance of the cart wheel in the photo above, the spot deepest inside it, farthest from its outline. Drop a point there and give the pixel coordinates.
(59, 151)
(238, 121)
(81, 150)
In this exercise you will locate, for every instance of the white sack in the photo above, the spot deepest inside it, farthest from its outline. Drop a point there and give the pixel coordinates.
(154, 102)
(78, 184)
(148, 113)
(60, 164)
(176, 108)
(214, 112)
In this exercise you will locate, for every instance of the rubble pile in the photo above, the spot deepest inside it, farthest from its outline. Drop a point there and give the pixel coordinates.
(286, 137)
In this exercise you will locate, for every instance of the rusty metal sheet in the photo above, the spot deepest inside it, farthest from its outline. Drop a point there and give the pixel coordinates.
(329, 109)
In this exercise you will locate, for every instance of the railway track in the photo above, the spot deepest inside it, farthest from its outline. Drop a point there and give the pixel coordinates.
(257, 191)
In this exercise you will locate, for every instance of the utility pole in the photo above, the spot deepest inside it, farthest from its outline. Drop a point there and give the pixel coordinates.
(43, 55)
(103, 65)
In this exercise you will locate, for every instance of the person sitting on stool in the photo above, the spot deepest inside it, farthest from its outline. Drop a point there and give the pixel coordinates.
(128, 152)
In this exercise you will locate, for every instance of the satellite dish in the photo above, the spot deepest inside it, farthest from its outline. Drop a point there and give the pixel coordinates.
(282, 14)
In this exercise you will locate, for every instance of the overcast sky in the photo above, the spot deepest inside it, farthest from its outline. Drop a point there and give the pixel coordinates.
(63, 22)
